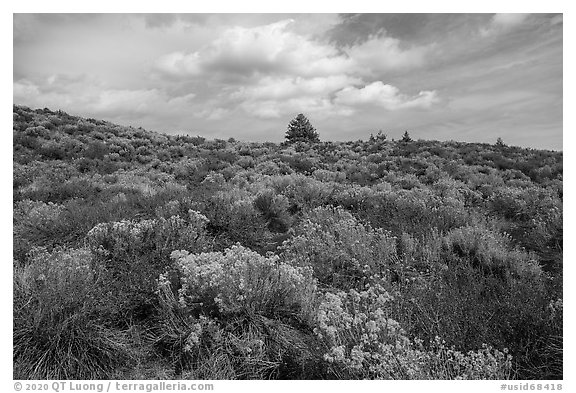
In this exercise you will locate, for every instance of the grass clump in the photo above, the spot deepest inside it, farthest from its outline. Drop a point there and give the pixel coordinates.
(60, 331)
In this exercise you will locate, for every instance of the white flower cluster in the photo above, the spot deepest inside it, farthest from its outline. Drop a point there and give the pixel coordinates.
(363, 340)
(240, 279)
(159, 234)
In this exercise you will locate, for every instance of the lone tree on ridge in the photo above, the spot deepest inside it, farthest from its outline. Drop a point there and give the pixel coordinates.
(406, 137)
(300, 130)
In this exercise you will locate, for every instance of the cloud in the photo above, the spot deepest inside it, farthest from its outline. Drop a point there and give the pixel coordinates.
(245, 52)
(279, 49)
(275, 69)
(153, 21)
(274, 97)
(180, 64)
(215, 113)
(322, 107)
(557, 19)
(137, 102)
(287, 87)
(385, 96)
(24, 90)
(508, 20)
(330, 96)
(502, 23)
(379, 54)
(64, 92)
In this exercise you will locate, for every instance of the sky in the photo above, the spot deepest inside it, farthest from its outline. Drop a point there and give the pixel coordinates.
(464, 77)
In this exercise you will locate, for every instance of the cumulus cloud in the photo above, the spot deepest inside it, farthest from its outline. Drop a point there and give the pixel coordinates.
(275, 69)
(286, 87)
(180, 64)
(268, 49)
(326, 96)
(502, 23)
(278, 49)
(274, 97)
(385, 96)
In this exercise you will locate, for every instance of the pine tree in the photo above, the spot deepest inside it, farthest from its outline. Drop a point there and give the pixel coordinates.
(406, 137)
(300, 130)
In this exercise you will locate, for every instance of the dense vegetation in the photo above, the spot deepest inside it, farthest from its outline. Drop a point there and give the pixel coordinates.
(142, 255)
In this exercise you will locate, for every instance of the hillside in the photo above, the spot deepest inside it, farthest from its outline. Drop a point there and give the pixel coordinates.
(183, 257)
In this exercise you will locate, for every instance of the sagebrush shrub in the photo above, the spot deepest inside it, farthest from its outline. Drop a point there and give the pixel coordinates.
(239, 310)
(274, 209)
(364, 342)
(234, 219)
(472, 286)
(136, 252)
(35, 224)
(36, 219)
(534, 220)
(342, 251)
(240, 280)
(413, 211)
(302, 192)
(129, 238)
(492, 252)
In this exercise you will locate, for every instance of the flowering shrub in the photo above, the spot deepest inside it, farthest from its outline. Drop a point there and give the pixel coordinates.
(342, 251)
(360, 336)
(55, 273)
(135, 252)
(159, 236)
(443, 362)
(363, 342)
(240, 280)
(235, 309)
